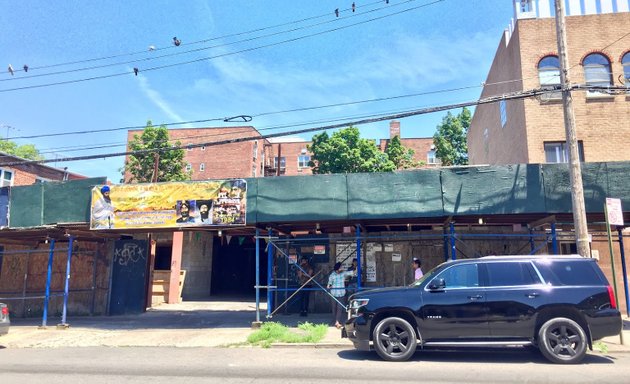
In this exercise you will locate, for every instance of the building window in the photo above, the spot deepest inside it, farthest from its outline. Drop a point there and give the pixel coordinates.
(283, 162)
(188, 167)
(556, 152)
(189, 147)
(6, 178)
(253, 171)
(597, 73)
(202, 167)
(203, 147)
(549, 77)
(255, 150)
(303, 161)
(625, 61)
(503, 112)
(431, 159)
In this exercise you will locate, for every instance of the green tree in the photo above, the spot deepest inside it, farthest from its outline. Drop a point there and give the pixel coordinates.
(346, 152)
(171, 166)
(26, 151)
(450, 139)
(401, 156)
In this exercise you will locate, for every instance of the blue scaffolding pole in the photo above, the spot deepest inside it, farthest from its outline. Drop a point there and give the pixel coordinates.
(65, 291)
(48, 280)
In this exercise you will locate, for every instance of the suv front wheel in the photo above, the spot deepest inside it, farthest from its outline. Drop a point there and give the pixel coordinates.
(562, 341)
(394, 339)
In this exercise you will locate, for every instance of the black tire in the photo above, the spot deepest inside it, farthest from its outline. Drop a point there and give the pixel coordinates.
(562, 341)
(394, 339)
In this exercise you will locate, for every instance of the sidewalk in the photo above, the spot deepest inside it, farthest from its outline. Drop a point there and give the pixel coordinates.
(190, 324)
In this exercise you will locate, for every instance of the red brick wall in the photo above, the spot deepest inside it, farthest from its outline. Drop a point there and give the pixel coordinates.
(601, 123)
(27, 174)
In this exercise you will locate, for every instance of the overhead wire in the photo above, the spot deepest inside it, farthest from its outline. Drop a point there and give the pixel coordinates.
(160, 67)
(293, 22)
(487, 100)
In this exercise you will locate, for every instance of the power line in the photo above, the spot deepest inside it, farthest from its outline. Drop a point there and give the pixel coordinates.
(422, 111)
(224, 54)
(302, 109)
(191, 43)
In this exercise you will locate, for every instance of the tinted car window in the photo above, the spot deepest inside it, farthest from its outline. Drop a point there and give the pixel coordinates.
(461, 276)
(511, 274)
(561, 272)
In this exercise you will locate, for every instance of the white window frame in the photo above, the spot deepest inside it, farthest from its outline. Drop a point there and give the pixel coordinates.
(561, 151)
(594, 75)
(431, 158)
(503, 112)
(202, 167)
(188, 167)
(301, 163)
(189, 147)
(549, 78)
(3, 174)
(255, 150)
(625, 63)
(283, 162)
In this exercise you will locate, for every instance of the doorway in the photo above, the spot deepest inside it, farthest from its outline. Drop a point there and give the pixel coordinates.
(234, 267)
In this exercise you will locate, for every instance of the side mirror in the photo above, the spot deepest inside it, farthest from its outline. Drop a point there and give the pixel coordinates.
(437, 285)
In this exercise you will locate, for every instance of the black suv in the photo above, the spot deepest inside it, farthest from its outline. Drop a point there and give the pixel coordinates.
(559, 303)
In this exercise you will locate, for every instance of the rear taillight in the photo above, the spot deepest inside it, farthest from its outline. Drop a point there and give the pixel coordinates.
(5, 310)
(611, 296)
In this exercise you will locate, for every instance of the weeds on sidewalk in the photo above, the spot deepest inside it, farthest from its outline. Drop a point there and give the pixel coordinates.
(275, 332)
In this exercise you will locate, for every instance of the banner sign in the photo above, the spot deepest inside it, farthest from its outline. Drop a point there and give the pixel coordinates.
(169, 205)
(615, 213)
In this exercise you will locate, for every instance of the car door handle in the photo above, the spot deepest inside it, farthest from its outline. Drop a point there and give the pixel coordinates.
(475, 297)
(532, 295)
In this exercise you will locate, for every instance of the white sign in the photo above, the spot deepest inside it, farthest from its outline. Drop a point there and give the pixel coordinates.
(615, 214)
(396, 257)
(389, 247)
(370, 267)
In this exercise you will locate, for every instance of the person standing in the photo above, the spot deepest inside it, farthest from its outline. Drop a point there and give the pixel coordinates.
(103, 210)
(337, 287)
(417, 271)
(304, 277)
(351, 281)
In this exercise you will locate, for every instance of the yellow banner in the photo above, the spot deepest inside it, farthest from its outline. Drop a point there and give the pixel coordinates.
(163, 205)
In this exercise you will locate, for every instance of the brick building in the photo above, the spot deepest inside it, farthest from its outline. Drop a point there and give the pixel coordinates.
(532, 130)
(30, 173)
(259, 157)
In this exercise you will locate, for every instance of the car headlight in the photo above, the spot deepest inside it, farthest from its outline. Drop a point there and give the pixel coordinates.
(355, 306)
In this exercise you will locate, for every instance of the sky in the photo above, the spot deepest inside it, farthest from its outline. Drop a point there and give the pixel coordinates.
(289, 65)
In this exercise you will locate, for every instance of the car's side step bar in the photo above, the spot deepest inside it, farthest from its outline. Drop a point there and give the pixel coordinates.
(476, 343)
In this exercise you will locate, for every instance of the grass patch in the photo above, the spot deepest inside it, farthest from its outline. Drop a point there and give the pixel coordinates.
(273, 332)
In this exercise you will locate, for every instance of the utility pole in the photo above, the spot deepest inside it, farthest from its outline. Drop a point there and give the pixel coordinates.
(575, 171)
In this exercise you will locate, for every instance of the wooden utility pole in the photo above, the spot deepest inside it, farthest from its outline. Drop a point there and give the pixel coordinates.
(156, 167)
(575, 171)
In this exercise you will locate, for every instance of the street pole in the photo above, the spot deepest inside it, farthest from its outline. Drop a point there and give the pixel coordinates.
(575, 171)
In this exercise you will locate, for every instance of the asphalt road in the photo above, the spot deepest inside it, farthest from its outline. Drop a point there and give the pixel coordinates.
(296, 365)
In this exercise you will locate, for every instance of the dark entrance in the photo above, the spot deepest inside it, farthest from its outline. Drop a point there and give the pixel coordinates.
(234, 267)
(128, 277)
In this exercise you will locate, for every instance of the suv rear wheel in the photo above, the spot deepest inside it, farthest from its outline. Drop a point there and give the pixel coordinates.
(394, 339)
(562, 341)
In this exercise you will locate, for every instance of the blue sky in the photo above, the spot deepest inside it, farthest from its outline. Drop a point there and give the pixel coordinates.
(428, 46)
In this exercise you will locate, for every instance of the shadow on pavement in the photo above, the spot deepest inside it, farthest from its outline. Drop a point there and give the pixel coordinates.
(475, 355)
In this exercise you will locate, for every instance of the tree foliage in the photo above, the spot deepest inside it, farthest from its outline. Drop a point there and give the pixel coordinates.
(450, 139)
(26, 151)
(401, 156)
(346, 152)
(171, 166)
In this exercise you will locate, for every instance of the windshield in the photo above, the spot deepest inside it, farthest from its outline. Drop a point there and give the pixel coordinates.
(424, 277)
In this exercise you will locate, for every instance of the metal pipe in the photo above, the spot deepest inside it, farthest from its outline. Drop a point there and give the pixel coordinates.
(269, 273)
(257, 239)
(554, 239)
(359, 265)
(623, 267)
(453, 249)
(67, 285)
(48, 280)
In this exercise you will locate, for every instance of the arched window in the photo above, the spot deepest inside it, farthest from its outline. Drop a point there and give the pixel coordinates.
(549, 76)
(625, 62)
(597, 72)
